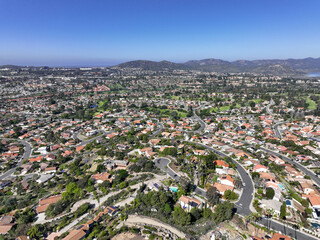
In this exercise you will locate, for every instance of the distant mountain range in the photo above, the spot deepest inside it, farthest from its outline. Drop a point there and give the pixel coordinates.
(274, 66)
(292, 67)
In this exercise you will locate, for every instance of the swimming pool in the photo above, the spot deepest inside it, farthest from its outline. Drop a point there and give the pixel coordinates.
(173, 189)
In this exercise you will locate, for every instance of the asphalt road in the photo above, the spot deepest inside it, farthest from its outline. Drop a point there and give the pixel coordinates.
(276, 129)
(163, 162)
(201, 122)
(83, 143)
(313, 176)
(26, 154)
(286, 230)
(243, 204)
(302, 168)
(268, 107)
(238, 128)
(159, 130)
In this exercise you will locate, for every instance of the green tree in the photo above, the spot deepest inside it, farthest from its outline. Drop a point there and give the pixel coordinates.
(34, 232)
(195, 214)
(230, 195)
(72, 193)
(172, 151)
(270, 193)
(101, 168)
(212, 195)
(255, 175)
(120, 176)
(207, 213)
(304, 203)
(209, 160)
(252, 104)
(223, 211)
(185, 184)
(181, 217)
(123, 185)
(167, 208)
(283, 211)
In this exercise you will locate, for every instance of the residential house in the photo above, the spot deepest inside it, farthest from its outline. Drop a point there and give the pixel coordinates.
(111, 210)
(226, 180)
(6, 223)
(260, 168)
(221, 188)
(314, 200)
(188, 203)
(101, 177)
(44, 203)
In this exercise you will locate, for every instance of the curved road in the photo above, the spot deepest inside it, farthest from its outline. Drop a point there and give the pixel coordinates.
(243, 204)
(85, 142)
(201, 122)
(26, 154)
(276, 129)
(312, 175)
(159, 130)
(268, 107)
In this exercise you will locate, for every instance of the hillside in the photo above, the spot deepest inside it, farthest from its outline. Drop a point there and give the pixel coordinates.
(151, 65)
(273, 66)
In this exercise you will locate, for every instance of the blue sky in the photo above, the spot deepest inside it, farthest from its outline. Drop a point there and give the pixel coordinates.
(105, 32)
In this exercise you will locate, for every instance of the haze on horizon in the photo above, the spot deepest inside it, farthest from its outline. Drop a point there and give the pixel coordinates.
(103, 33)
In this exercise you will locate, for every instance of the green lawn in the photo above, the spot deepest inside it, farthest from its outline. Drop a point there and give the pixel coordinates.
(258, 100)
(167, 112)
(223, 108)
(312, 104)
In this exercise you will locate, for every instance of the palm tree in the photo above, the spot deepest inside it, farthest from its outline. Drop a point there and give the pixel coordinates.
(295, 227)
(270, 213)
(34, 231)
(254, 216)
(247, 219)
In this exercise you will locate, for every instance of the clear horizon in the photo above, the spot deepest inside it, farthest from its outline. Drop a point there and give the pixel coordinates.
(105, 33)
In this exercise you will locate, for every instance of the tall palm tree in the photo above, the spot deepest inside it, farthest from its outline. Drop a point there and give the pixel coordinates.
(254, 216)
(247, 219)
(33, 232)
(295, 227)
(270, 213)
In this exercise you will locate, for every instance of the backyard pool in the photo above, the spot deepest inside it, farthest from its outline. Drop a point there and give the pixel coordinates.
(288, 202)
(174, 189)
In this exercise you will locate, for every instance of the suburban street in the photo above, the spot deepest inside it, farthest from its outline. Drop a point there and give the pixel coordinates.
(284, 229)
(313, 176)
(85, 142)
(276, 129)
(26, 154)
(201, 122)
(159, 130)
(162, 163)
(268, 107)
(243, 204)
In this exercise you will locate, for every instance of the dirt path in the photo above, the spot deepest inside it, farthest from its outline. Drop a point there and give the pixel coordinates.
(136, 220)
